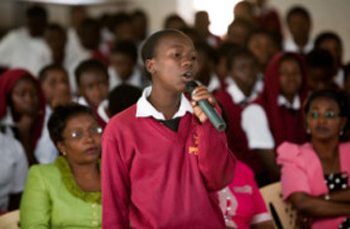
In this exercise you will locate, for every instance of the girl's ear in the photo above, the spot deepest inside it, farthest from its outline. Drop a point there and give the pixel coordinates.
(149, 65)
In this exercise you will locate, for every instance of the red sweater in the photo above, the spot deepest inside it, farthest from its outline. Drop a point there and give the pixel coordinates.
(153, 177)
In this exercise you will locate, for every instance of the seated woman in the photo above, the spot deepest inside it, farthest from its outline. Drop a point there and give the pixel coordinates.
(314, 175)
(66, 193)
(22, 110)
(241, 202)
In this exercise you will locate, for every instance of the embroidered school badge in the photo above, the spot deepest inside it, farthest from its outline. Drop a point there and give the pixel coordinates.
(194, 149)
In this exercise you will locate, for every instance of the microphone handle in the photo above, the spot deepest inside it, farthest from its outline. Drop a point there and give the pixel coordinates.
(214, 118)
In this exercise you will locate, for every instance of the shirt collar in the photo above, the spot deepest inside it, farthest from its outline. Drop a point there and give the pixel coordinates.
(214, 83)
(236, 94)
(145, 109)
(282, 101)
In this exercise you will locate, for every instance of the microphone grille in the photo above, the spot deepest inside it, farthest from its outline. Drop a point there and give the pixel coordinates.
(190, 86)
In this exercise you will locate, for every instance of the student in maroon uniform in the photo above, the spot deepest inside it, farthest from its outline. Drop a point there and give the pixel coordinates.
(162, 159)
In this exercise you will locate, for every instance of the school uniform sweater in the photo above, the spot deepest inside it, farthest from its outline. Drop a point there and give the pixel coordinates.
(154, 177)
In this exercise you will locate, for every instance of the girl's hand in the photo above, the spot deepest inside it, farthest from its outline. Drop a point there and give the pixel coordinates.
(201, 93)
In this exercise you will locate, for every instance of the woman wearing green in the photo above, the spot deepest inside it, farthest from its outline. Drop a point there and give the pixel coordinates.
(66, 193)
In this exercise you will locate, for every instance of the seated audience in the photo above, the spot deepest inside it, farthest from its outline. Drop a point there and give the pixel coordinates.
(299, 26)
(123, 67)
(239, 91)
(25, 47)
(332, 43)
(276, 116)
(55, 84)
(315, 175)
(22, 110)
(66, 193)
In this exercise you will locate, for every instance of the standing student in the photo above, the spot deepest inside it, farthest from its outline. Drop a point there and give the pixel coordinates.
(163, 161)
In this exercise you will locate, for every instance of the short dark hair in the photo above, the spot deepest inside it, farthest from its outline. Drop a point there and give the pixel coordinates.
(127, 48)
(90, 65)
(336, 95)
(327, 36)
(51, 67)
(60, 116)
(36, 11)
(319, 58)
(298, 10)
(122, 97)
(150, 45)
(238, 53)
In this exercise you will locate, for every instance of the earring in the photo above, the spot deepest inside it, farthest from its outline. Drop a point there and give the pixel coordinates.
(63, 153)
(308, 131)
(341, 132)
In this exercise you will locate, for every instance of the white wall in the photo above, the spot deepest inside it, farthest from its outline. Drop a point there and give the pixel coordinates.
(326, 15)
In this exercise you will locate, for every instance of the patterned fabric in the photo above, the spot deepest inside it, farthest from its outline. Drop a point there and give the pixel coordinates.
(336, 182)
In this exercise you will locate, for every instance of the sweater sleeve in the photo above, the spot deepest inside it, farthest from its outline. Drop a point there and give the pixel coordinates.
(115, 186)
(216, 161)
(35, 208)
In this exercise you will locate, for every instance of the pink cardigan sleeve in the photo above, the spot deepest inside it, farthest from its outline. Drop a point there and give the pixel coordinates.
(294, 177)
(216, 161)
(115, 186)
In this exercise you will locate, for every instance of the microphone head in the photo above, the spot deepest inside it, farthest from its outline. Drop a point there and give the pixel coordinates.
(190, 86)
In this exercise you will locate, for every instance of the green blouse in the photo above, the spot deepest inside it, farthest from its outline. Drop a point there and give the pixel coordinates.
(52, 199)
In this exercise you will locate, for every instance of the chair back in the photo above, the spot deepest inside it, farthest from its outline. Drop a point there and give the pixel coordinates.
(282, 212)
(10, 220)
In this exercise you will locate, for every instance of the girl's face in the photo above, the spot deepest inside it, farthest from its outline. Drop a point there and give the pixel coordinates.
(290, 77)
(25, 98)
(323, 119)
(81, 140)
(173, 63)
(93, 87)
(244, 71)
(56, 88)
(262, 47)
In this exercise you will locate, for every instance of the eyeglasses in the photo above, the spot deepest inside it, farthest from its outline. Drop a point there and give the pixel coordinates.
(327, 115)
(77, 135)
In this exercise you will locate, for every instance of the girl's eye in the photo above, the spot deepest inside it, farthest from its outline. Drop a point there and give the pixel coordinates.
(177, 55)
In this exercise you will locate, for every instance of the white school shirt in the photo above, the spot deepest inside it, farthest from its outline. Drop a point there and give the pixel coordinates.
(290, 46)
(256, 125)
(134, 80)
(145, 109)
(13, 169)
(19, 50)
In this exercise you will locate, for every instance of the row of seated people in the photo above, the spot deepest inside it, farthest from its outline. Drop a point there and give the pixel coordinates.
(288, 65)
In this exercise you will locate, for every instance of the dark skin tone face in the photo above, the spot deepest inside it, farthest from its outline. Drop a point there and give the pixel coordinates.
(171, 68)
(299, 27)
(93, 87)
(123, 65)
(24, 97)
(290, 78)
(56, 88)
(244, 72)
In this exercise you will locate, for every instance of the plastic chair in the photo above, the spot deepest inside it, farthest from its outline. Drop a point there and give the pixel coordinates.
(10, 220)
(282, 212)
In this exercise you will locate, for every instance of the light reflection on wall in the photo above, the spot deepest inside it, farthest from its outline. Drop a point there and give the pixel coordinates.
(220, 13)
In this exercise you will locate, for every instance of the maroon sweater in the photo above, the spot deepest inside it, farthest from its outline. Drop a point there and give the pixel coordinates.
(153, 177)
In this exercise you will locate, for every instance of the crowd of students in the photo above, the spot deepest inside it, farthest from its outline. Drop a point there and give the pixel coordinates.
(106, 89)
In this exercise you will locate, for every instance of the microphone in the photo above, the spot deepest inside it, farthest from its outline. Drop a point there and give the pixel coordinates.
(207, 108)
